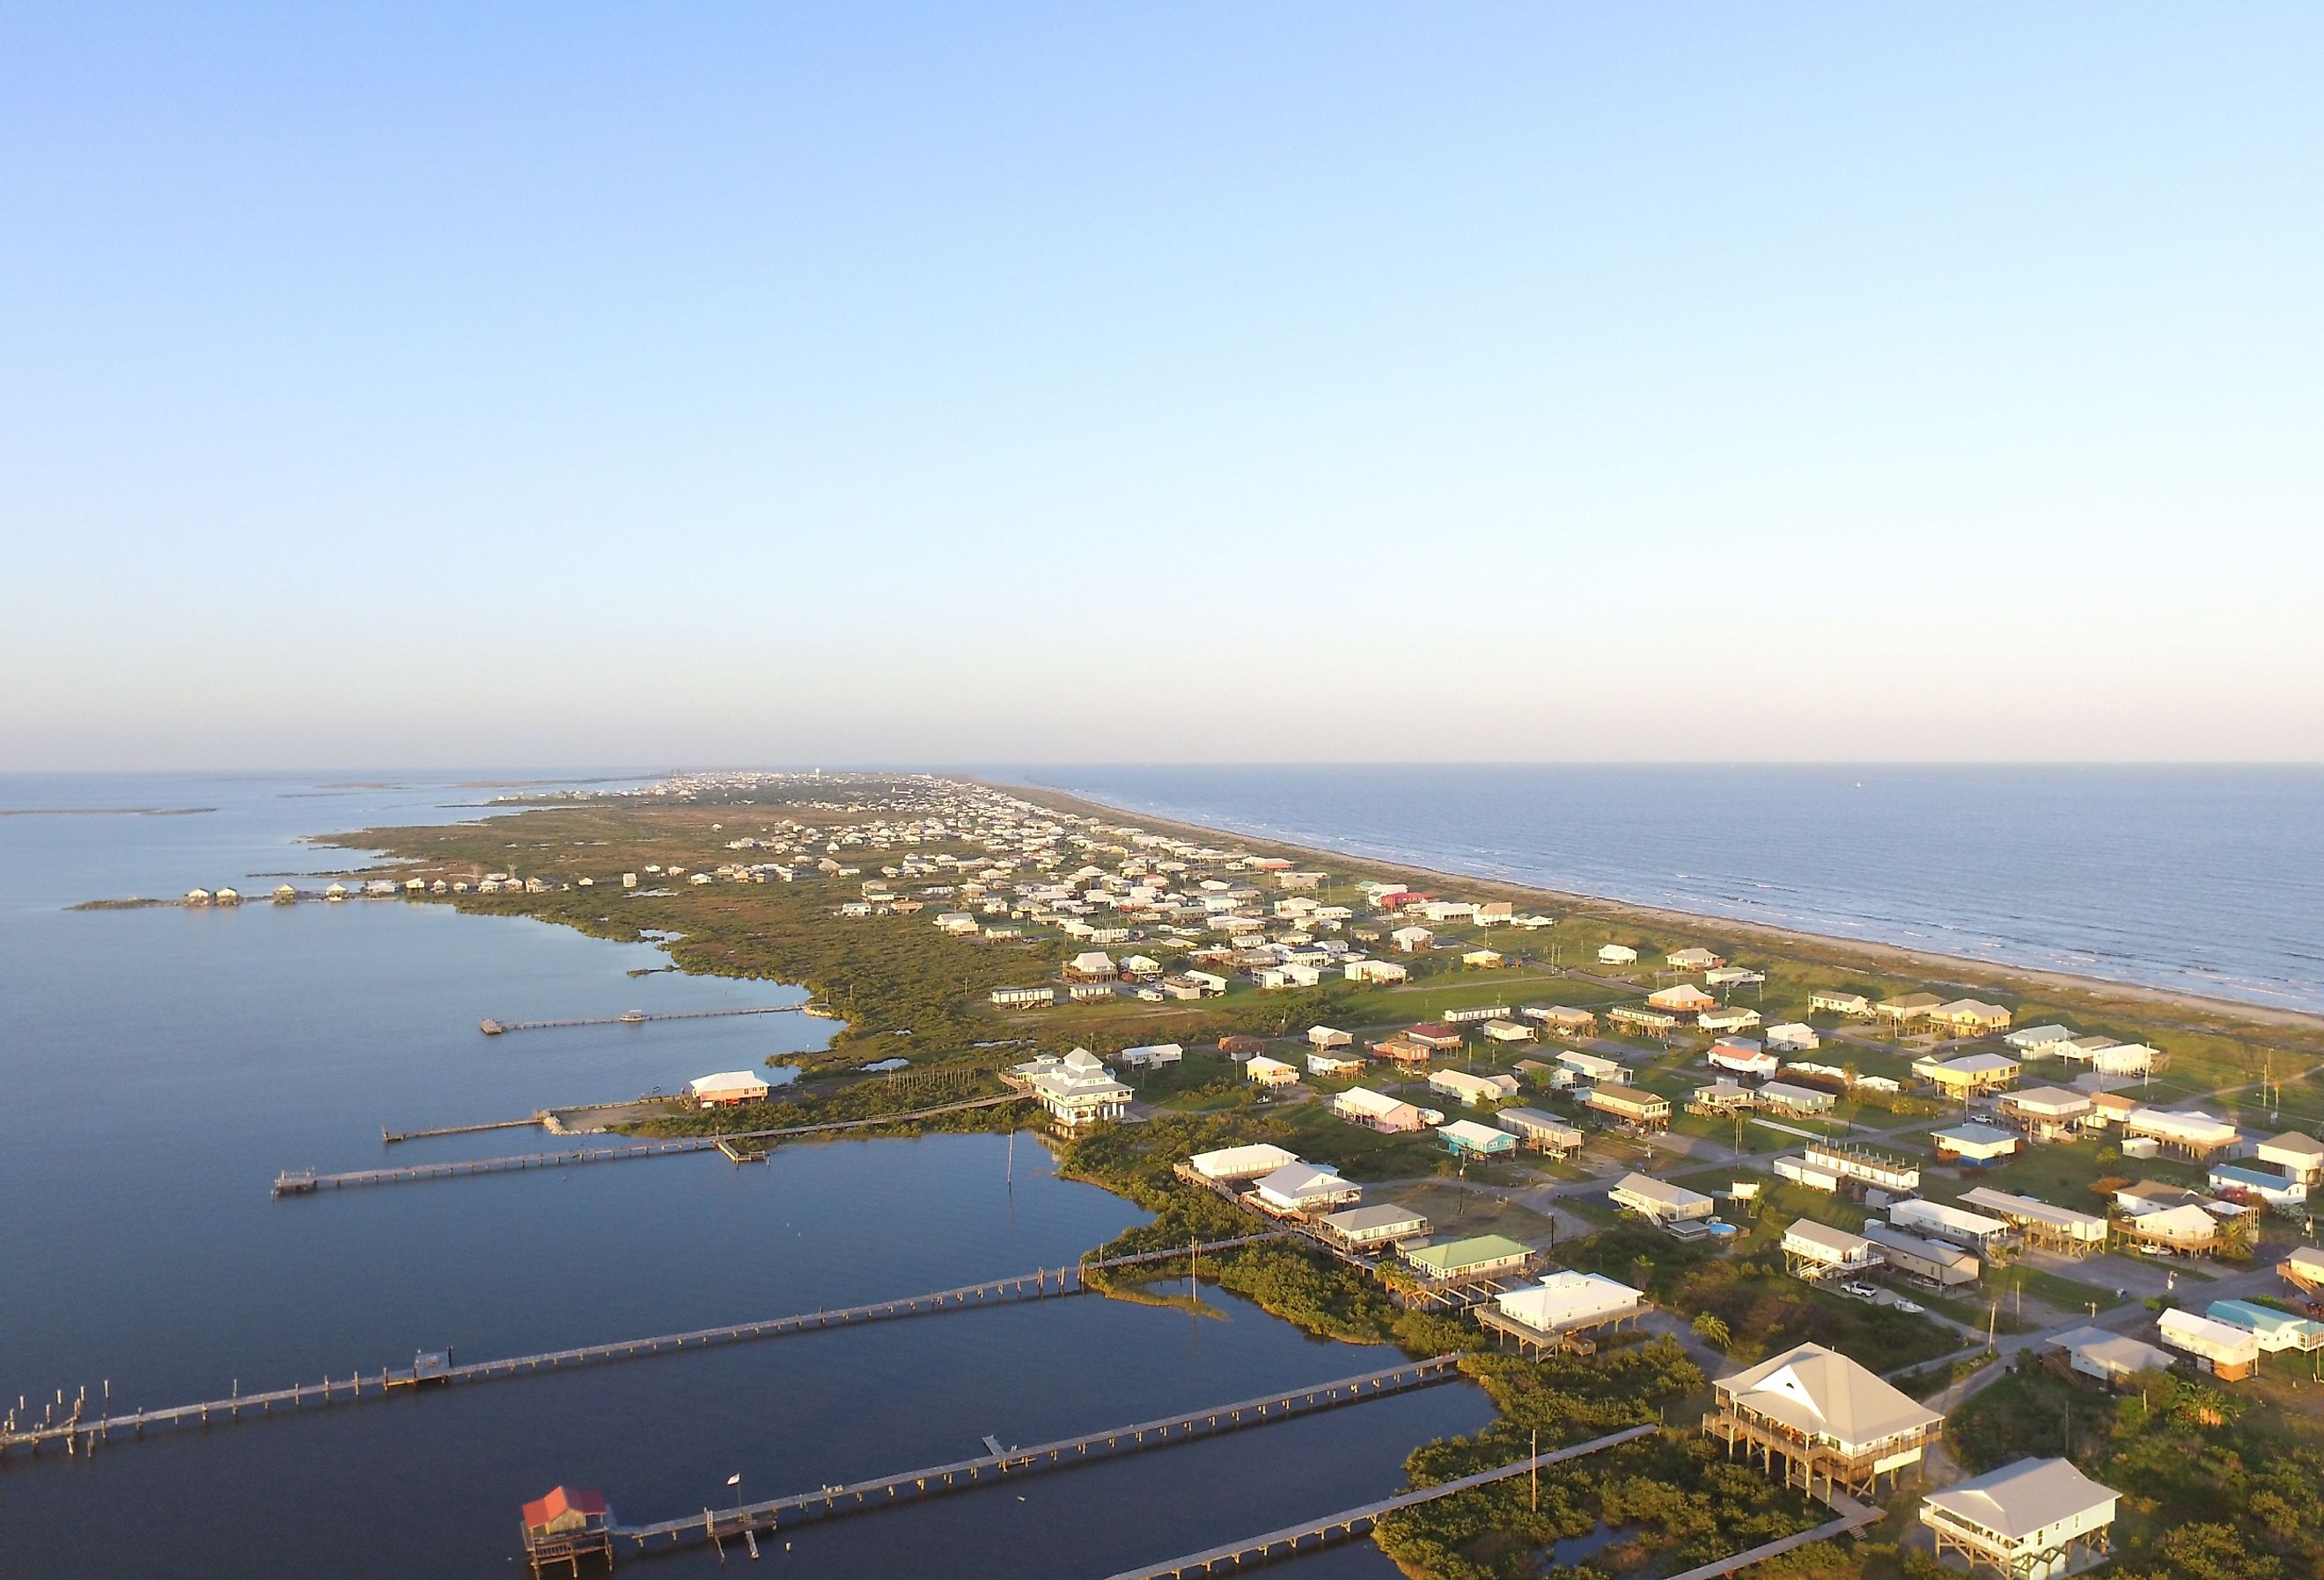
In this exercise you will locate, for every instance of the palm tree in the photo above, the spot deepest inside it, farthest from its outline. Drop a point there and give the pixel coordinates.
(1711, 1329)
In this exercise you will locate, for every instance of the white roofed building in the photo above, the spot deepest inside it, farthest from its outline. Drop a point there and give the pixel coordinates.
(725, 1090)
(1230, 1164)
(1816, 1252)
(1297, 1189)
(1376, 1110)
(1077, 1090)
(2226, 1351)
(1826, 1420)
(2033, 1520)
(1561, 1306)
(1659, 1199)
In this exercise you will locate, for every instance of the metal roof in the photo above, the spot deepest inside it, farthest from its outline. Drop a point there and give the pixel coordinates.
(1820, 1392)
(2020, 1499)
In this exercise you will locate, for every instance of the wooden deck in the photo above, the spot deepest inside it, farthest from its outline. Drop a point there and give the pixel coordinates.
(77, 1434)
(1311, 1534)
(884, 1491)
(307, 1182)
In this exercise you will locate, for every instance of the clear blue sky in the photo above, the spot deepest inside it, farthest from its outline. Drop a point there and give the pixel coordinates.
(572, 382)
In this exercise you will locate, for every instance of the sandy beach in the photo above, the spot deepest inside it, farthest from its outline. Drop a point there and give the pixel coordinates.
(2060, 990)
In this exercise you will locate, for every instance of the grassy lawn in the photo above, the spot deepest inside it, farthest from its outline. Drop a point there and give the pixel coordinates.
(1455, 1212)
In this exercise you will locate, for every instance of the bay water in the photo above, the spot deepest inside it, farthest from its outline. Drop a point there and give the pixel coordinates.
(159, 1067)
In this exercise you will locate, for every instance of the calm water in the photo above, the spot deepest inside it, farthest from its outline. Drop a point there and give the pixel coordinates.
(159, 1066)
(2205, 880)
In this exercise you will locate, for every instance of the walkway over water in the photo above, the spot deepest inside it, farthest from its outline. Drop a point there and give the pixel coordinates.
(307, 1182)
(885, 1491)
(1315, 1533)
(79, 1436)
(491, 1028)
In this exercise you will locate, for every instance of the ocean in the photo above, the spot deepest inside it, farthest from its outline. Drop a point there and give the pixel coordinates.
(2199, 880)
(161, 1065)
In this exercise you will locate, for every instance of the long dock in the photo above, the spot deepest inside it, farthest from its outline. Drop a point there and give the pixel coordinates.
(492, 1028)
(884, 1491)
(528, 1123)
(77, 1434)
(307, 1182)
(1347, 1522)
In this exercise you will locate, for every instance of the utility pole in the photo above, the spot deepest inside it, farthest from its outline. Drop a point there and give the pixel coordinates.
(1536, 1469)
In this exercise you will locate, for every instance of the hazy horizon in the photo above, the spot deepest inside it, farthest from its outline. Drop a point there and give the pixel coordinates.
(932, 384)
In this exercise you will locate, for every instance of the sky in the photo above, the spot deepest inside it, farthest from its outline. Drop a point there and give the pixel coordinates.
(573, 383)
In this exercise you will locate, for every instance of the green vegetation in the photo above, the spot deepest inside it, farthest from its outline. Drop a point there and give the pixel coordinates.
(2220, 1486)
(2218, 1483)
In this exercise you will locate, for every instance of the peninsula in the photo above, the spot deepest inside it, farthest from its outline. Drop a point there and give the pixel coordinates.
(1635, 1168)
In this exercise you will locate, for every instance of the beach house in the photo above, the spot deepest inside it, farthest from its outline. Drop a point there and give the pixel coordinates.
(1297, 1189)
(1970, 1076)
(1681, 999)
(2045, 1113)
(1817, 1251)
(1928, 1261)
(2190, 1132)
(2113, 1358)
(1466, 1138)
(1371, 1228)
(1617, 955)
(1075, 1091)
(1269, 1071)
(1824, 1419)
(1835, 1003)
(1975, 1146)
(1594, 1067)
(1970, 1017)
(726, 1089)
(2228, 1352)
(2031, 1519)
(2298, 1157)
(1623, 1105)
(1478, 1257)
(1658, 1200)
(1540, 1133)
(1376, 1111)
(1232, 1165)
(1470, 1089)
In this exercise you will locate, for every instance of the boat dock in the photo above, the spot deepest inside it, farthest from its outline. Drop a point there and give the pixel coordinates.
(1311, 1534)
(307, 1182)
(884, 1491)
(491, 1028)
(78, 1435)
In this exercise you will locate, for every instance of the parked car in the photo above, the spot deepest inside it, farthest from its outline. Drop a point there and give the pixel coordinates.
(1860, 1289)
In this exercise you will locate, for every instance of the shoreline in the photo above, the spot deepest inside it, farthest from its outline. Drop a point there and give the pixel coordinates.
(1964, 971)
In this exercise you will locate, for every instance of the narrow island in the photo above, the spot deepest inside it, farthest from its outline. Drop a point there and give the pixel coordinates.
(1869, 1239)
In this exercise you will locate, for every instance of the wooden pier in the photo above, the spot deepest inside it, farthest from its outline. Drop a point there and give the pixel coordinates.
(1311, 1534)
(307, 1182)
(491, 1028)
(392, 1136)
(885, 1491)
(75, 1434)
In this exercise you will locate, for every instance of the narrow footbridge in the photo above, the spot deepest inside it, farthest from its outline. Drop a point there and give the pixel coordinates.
(307, 1182)
(883, 1491)
(77, 1434)
(1311, 1534)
